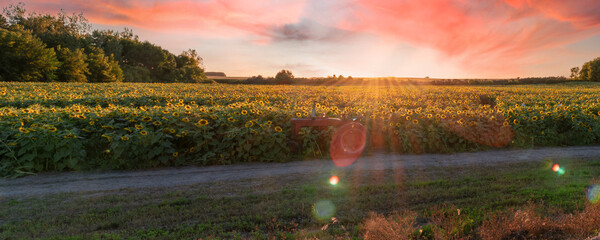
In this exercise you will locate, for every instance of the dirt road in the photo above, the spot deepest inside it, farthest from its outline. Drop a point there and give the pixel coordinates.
(167, 178)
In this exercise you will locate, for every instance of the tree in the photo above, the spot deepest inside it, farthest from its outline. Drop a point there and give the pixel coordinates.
(101, 67)
(15, 13)
(575, 73)
(188, 67)
(109, 41)
(284, 77)
(63, 30)
(136, 74)
(590, 71)
(25, 58)
(3, 22)
(73, 66)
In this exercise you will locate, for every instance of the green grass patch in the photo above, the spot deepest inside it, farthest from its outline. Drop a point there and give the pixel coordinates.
(287, 207)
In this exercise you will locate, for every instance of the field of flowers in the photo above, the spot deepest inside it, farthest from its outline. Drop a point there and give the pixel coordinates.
(61, 127)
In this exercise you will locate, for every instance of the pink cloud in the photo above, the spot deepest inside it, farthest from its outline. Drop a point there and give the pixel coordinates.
(581, 14)
(493, 36)
(188, 15)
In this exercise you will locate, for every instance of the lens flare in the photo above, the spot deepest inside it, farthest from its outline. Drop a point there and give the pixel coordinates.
(333, 180)
(560, 171)
(323, 210)
(556, 167)
(347, 144)
(593, 193)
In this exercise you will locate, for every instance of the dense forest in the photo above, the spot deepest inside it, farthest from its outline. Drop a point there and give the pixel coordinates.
(45, 48)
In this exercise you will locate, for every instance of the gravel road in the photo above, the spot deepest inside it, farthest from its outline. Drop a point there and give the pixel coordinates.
(52, 183)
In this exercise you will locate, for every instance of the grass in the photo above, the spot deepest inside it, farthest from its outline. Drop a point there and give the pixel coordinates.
(425, 199)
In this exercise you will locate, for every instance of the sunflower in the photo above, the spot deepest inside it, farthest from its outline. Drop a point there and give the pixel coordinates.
(172, 130)
(231, 119)
(143, 132)
(127, 129)
(244, 112)
(157, 123)
(139, 127)
(80, 116)
(125, 138)
(249, 124)
(52, 129)
(70, 136)
(175, 154)
(185, 120)
(107, 137)
(505, 124)
(147, 119)
(534, 118)
(203, 122)
(175, 114)
(516, 122)
(92, 123)
(278, 129)
(415, 121)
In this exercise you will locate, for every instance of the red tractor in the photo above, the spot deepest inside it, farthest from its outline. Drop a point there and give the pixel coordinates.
(347, 143)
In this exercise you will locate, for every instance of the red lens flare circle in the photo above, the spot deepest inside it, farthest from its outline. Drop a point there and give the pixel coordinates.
(556, 167)
(348, 143)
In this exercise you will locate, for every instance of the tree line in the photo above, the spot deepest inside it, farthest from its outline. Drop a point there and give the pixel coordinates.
(45, 48)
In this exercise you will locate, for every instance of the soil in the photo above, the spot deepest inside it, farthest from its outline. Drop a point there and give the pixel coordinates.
(173, 178)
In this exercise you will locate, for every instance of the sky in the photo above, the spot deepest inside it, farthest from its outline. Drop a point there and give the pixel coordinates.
(360, 38)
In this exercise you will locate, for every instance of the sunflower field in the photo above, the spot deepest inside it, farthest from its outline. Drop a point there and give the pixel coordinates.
(62, 127)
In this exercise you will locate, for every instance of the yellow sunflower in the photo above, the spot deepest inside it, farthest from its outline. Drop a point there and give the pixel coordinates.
(70, 136)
